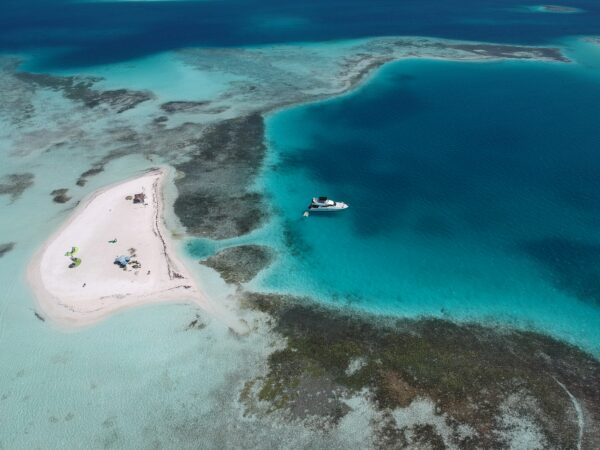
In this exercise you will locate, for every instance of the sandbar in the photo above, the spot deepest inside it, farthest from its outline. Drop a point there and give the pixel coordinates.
(106, 225)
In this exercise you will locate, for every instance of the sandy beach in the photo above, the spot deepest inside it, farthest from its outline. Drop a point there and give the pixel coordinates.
(108, 225)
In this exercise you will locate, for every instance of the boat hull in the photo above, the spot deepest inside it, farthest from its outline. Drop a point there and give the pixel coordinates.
(328, 209)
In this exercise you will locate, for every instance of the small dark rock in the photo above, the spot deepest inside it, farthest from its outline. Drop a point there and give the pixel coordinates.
(196, 324)
(5, 248)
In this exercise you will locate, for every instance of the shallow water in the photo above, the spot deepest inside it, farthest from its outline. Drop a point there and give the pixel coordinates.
(473, 192)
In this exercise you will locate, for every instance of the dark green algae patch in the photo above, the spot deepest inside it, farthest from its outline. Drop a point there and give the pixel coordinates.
(470, 371)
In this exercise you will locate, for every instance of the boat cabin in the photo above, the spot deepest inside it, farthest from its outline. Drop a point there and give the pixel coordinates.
(322, 201)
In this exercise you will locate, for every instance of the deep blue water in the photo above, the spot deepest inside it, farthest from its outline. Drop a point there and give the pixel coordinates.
(474, 192)
(86, 33)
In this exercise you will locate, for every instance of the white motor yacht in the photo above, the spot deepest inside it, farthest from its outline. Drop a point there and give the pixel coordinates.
(325, 204)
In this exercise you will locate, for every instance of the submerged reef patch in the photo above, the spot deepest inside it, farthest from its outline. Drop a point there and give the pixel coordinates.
(81, 89)
(556, 9)
(240, 264)
(471, 383)
(181, 106)
(572, 265)
(60, 195)
(15, 184)
(511, 51)
(83, 178)
(16, 105)
(5, 248)
(214, 198)
(196, 323)
(271, 78)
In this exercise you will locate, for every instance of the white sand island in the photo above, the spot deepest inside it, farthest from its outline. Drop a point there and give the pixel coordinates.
(105, 226)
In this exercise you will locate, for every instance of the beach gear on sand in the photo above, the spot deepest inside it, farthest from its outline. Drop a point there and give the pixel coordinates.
(122, 261)
(72, 252)
(139, 198)
(75, 262)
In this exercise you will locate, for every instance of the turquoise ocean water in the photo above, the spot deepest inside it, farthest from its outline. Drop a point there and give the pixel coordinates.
(474, 193)
(473, 190)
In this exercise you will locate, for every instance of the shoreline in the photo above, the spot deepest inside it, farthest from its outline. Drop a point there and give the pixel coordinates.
(59, 292)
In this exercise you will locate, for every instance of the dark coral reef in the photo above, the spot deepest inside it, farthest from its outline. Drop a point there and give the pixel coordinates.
(477, 377)
(82, 89)
(215, 200)
(240, 264)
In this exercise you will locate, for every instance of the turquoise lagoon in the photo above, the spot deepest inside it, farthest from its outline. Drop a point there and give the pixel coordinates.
(474, 192)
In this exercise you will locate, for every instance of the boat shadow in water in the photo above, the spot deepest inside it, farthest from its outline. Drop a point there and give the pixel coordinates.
(322, 215)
